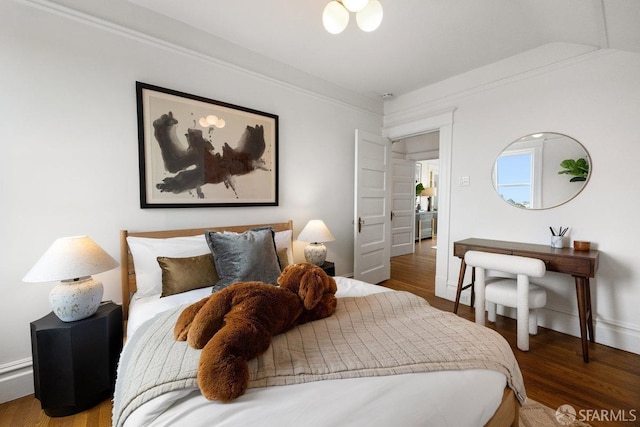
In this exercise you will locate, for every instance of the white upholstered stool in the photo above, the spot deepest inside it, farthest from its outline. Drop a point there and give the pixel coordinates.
(518, 293)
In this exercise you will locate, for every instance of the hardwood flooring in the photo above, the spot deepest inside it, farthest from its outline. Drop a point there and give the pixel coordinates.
(553, 370)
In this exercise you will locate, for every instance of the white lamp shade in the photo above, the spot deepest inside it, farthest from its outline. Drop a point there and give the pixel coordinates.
(316, 232)
(355, 5)
(71, 258)
(370, 17)
(335, 17)
(429, 191)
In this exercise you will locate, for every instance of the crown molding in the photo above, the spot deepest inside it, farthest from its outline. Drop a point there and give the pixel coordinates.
(248, 62)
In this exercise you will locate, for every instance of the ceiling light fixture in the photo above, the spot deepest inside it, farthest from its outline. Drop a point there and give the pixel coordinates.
(335, 17)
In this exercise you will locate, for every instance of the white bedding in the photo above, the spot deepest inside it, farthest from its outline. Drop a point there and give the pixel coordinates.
(446, 398)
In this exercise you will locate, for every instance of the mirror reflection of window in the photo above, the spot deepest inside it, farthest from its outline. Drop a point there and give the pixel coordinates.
(527, 173)
(514, 178)
(519, 173)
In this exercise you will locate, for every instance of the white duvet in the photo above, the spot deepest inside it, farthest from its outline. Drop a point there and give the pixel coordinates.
(445, 398)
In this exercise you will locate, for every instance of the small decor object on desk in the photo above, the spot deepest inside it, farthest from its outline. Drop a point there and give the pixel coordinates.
(72, 261)
(581, 245)
(316, 232)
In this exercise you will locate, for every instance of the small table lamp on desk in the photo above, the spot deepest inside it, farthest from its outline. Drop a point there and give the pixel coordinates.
(316, 232)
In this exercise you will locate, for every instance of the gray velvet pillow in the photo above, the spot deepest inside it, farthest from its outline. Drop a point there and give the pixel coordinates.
(244, 257)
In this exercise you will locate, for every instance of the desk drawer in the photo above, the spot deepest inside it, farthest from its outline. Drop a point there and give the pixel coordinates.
(460, 249)
(566, 265)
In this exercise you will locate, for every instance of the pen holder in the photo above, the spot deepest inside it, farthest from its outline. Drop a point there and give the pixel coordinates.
(556, 242)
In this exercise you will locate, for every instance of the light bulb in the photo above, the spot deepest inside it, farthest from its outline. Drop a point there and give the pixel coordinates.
(203, 122)
(355, 5)
(335, 17)
(212, 120)
(370, 17)
(220, 123)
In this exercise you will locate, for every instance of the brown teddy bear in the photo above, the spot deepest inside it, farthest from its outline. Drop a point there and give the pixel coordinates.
(236, 324)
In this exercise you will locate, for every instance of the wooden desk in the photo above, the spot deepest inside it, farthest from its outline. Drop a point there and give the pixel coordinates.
(582, 265)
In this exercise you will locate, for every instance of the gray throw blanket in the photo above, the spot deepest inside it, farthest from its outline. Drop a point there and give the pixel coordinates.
(381, 334)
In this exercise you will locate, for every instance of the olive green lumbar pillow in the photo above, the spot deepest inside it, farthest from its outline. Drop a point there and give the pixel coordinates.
(185, 274)
(283, 257)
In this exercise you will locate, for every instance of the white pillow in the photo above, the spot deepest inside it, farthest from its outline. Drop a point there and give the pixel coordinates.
(283, 240)
(145, 252)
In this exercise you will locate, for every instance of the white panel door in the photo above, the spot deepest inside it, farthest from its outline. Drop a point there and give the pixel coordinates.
(372, 241)
(403, 215)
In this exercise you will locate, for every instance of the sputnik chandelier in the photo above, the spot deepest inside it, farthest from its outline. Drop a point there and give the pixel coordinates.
(335, 17)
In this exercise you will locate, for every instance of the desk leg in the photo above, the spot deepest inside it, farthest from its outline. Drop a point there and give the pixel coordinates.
(584, 312)
(463, 269)
(473, 287)
(590, 329)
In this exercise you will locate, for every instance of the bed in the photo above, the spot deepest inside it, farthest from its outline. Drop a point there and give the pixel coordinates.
(469, 394)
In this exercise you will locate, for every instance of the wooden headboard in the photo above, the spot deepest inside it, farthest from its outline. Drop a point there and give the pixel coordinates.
(128, 272)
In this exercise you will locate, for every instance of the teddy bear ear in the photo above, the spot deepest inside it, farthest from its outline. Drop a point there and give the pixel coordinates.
(311, 289)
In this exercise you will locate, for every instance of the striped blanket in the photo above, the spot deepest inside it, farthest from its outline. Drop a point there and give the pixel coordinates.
(387, 333)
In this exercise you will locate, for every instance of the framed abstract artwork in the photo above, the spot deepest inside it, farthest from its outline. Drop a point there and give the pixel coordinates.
(198, 152)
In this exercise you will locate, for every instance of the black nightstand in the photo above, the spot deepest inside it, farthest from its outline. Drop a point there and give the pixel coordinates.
(74, 363)
(329, 268)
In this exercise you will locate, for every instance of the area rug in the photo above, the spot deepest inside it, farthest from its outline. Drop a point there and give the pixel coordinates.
(534, 414)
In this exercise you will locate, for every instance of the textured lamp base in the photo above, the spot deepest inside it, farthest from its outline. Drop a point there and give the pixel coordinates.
(73, 300)
(315, 253)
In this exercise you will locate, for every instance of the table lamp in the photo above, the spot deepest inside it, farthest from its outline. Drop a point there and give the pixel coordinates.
(315, 232)
(72, 261)
(429, 192)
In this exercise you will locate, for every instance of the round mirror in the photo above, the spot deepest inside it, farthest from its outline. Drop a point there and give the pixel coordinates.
(541, 171)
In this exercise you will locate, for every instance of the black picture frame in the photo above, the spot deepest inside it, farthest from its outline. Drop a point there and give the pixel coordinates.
(199, 152)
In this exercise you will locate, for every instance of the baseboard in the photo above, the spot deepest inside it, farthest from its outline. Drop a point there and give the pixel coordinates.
(16, 380)
(607, 332)
(622, 336)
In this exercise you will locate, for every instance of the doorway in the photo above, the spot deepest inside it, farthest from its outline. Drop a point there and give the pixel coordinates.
(407, 125)
(423, 149)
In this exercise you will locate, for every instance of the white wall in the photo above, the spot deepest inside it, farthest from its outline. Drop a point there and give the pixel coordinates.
(594, 98)
(70, 160)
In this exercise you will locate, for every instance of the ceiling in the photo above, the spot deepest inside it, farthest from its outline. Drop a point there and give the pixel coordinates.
(420, 42)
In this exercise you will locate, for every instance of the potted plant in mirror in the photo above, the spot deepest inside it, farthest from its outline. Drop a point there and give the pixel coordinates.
(579, 169)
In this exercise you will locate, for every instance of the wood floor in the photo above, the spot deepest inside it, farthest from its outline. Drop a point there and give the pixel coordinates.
(553, 370)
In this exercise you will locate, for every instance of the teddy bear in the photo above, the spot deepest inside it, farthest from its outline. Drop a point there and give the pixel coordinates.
(237, 323)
